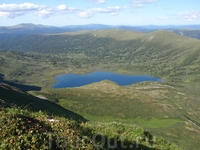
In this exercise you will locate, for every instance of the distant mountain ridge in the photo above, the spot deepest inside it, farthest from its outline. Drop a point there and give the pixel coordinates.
(29, 28)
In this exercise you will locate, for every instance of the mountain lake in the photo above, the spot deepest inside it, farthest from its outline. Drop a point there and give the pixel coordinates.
(76, 80)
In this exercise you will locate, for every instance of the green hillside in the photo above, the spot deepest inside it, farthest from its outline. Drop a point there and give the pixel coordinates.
(13, 96)
(164, 110)
(24, 129)
(107, 98)
(161, 53)
(169, 110)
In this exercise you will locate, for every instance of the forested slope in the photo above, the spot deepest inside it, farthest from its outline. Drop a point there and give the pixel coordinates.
(160, 53)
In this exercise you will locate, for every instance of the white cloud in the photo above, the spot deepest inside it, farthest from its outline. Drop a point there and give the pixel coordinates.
(150, 20)
(4, 14)
(85, 14)
(11, 14)
(61, 7)
(163, 18)
(113, 14)
(141, 3)
(126, 7)
(190, 15)
(97, 1)
(43, 13)
(92, 11)
(71, 18)
(15, 10)
(19, 7)
(72, 10)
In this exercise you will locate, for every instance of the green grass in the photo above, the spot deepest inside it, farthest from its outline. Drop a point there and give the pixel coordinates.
(153, 123)
(161, 53)
(156, 107)
(23, 129)
(20, 98)
(156, 123)
(145, 100)
(159, 108)
(26, 69)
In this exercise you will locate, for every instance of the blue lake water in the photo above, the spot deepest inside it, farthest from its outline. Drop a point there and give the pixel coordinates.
(76, 80)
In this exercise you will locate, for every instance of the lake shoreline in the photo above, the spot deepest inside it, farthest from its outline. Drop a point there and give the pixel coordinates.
(71, 80)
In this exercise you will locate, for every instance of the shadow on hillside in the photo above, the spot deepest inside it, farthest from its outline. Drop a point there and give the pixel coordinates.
(14, 96)
(104, 142)
(126, 145)
(20, 86)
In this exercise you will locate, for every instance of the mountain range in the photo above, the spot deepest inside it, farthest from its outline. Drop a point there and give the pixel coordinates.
(26, 29)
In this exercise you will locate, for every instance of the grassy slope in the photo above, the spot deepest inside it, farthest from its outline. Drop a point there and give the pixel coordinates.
(157, 107)
(161, 53)
(169, 56)
(168, 101)
(13, 95)
(28, 70)
(24, 129)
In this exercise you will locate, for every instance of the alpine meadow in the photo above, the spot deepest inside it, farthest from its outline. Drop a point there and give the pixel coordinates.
(102, 115)
(99, 75)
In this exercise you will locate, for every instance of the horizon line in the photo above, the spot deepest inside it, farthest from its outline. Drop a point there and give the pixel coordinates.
(102, 24)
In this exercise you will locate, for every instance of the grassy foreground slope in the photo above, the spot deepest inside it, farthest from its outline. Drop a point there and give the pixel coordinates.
(12, 95)
(164, 110)
(23, 129)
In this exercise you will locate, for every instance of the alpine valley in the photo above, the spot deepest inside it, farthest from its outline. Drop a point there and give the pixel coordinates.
(146, 115)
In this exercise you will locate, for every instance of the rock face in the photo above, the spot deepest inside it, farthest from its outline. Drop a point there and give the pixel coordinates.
(42, 97)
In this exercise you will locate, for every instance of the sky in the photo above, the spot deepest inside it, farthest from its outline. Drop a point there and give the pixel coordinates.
(109, 12)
